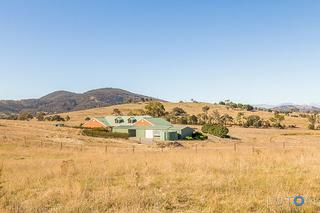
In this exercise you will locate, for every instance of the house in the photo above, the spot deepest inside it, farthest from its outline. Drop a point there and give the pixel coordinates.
(113, 121)
(155, 129)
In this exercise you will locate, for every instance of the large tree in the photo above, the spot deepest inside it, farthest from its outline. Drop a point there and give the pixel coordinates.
(155, 109)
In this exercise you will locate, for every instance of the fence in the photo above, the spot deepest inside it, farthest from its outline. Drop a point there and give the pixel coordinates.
(197, 147)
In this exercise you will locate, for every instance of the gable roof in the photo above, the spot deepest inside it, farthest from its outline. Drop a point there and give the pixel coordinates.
(158, 121)
(103, 121)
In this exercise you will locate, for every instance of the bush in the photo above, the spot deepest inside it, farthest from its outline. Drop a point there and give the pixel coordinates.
(197, 136)
(216, 130)
(103, 133)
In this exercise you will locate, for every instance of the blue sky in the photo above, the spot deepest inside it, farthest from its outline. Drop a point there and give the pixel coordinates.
(249, 51)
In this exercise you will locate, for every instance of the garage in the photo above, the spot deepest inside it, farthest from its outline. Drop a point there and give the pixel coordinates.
(149, 133)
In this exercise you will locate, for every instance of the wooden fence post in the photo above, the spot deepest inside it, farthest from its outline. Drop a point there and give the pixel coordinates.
(106, 149)
(132, 149)
(25, 141)
(60, 145)
(235, 147)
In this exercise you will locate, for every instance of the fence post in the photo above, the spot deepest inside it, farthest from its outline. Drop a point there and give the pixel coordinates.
(235, 147)
(132, 149)
(60, 145)
(106, 149)
(25, 141)
(81, 148)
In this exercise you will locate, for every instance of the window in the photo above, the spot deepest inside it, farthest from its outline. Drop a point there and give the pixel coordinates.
(156, 133)
(132, 120)
(119, 120)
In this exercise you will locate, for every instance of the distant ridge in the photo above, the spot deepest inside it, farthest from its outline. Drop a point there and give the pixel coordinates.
(289, 107)
(65, 101)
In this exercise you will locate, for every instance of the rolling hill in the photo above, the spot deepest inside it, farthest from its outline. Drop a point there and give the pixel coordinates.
(64, 101)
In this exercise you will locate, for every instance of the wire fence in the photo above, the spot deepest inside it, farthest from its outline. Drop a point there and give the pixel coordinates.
(196, 147)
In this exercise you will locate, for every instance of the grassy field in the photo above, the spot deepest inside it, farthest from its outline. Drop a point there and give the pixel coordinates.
(56, 169)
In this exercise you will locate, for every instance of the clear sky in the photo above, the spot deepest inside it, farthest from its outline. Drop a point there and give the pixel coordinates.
(251, 51)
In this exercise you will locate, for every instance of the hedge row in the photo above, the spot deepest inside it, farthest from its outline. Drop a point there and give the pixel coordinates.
(102, 133)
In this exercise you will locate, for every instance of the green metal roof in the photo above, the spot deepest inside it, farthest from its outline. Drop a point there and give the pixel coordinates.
(111, 120)
(103, 120)
(157, 127)
(158, 121)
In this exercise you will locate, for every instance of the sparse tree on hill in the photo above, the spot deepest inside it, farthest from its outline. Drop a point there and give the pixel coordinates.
(25, 116)
(313, 119)
(116, 112)
(239, 118)
(67, 118)
(193, 120)
(177, 111)
(215, 118)
(277, 120)
(155, 109)
(226, 119)
(40, 116)
(205, 109)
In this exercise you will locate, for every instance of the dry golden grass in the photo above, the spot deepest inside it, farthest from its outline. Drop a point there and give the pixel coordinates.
(267, 166)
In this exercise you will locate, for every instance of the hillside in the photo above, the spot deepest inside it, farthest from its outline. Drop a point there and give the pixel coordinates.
(64, 101)
(78, 117)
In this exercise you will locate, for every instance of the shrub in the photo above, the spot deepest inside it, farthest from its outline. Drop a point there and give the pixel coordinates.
(103, 133)
(216, 130)
(197, 136)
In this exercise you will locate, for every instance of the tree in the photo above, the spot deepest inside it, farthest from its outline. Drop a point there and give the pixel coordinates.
(215, 118)
(205, 109)
(313, 119)
(67, 118)
(87, 119)
(40, 116)
(155, 109)
(239, 118)
(177, 111)
(226, 119)
(193, 120)
(277, 119)
(116, 112)
(253, 121)
(249, 107)
(25, 116)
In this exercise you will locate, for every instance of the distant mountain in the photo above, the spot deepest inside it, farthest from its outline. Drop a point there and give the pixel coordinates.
(64, 101)
(297, 108)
